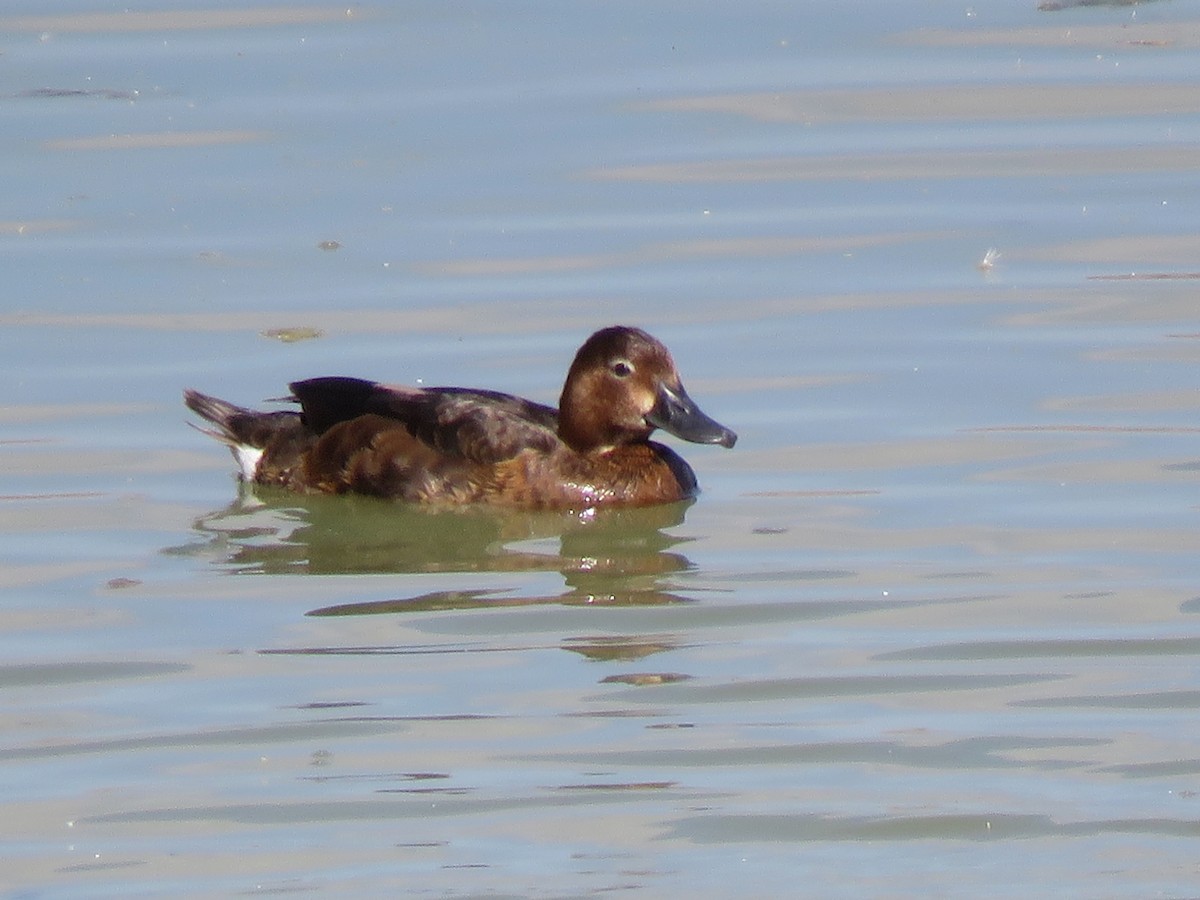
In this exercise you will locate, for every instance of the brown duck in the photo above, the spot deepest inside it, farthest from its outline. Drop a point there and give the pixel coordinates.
(453, 446)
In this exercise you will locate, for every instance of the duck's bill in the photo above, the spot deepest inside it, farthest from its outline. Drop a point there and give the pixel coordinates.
(676, 413)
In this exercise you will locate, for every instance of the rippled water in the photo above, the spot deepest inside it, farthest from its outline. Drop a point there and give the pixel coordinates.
(929, 630)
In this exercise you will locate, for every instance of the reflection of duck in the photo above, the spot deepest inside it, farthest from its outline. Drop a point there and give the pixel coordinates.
(611, 556)
(451, 446)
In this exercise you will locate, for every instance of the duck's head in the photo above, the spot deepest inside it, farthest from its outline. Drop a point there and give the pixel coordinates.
(622, 385)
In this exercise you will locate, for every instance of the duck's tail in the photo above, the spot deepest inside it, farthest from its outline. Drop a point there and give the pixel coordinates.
(252, 435)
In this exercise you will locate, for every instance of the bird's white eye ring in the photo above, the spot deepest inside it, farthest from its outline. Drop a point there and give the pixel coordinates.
(622, 368)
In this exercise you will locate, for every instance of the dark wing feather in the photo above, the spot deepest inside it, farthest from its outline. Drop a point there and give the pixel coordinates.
(324, 402)
(486, 426)
(476, 425)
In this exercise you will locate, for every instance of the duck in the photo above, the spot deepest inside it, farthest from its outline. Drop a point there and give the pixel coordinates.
(453, 446)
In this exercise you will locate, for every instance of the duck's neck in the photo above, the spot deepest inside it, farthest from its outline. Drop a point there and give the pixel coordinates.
(582, 433)
(585, 424)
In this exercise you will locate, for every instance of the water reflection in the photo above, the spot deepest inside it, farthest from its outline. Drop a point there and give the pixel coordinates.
(618, 556)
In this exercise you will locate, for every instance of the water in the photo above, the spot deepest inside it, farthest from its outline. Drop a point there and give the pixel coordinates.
(929, 630)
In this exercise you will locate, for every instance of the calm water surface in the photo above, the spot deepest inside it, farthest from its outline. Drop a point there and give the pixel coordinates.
(931, 630)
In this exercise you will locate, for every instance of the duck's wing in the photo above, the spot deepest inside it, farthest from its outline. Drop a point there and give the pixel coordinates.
(483, 426)
(475, 425)
(325, 402)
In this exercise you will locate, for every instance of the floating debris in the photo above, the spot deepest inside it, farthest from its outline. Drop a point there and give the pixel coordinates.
(1059, 5)
(56, 93)
(1148, 276)
(989, 260)
(292, 335)
(330, 246)
(641, 679)
(619, 786)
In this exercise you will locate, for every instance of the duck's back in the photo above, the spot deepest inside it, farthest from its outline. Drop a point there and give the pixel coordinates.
(417, 444)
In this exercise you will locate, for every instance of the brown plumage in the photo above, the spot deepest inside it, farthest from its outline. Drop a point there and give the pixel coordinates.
(458, 445)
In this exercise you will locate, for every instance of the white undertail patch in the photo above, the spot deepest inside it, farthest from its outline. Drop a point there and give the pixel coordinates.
(248, 459)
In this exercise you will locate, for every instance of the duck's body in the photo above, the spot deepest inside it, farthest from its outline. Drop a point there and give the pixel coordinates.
(458, 445)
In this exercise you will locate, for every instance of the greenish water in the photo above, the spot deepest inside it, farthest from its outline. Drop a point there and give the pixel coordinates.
(928, 631)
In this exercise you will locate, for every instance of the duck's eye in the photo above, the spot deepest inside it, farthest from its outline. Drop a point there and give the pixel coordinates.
(622, 369)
